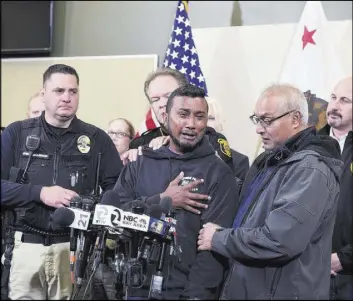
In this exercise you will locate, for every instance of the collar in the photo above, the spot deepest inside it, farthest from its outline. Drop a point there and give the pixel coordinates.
(284, 151)
(74, 126)
(340, 138)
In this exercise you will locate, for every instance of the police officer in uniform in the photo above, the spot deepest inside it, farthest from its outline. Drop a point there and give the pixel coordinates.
(158, 87)
(48, 160)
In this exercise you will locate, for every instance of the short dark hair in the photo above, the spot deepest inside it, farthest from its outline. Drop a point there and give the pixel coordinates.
(60, 68)
(186, 90)
(178, 76)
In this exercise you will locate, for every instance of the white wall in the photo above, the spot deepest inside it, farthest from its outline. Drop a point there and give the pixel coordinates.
(143, 27)
(239, 62)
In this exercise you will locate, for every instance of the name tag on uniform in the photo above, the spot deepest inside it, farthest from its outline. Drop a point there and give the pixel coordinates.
(40, 156)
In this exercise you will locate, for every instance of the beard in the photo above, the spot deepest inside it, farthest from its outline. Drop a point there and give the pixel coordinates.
(186, 147)
(336, 120)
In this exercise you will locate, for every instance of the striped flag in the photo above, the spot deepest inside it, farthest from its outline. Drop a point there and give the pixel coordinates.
(181, 55)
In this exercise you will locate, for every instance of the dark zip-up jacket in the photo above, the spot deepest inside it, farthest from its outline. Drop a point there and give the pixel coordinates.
(199, 274)
(282, 249)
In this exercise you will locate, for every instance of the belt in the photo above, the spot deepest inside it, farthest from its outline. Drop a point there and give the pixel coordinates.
(45, 240)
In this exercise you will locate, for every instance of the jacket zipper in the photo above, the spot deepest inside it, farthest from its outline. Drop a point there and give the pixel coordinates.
(56, 162)
(244, 219)
(275, 281)
(55, 176)
(253, 203)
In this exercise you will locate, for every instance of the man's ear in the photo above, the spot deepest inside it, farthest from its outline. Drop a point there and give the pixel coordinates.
(296, 119)
(41, 93)
(164, 117)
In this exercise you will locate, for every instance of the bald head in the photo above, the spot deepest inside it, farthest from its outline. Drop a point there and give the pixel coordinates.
(35, 106)
(339, 109)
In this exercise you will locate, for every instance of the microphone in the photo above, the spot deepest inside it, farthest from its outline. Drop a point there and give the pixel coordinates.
(76, 202)
(108, 215)
(163, 229)
(78, 220)
(111, 197)
(72, 217)
(166, 205)
(86, 244)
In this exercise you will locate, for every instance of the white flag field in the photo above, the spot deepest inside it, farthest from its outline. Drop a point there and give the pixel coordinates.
(311, 63)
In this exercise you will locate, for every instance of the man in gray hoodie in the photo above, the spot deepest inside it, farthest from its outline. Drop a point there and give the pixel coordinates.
(280, 242)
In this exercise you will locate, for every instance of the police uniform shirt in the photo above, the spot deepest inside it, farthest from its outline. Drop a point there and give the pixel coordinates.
(77, 149)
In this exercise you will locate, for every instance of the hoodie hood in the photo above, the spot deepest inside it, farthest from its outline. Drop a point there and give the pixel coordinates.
(306, 142)
(203, 149)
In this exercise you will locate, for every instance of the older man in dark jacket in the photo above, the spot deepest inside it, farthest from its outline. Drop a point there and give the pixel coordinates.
(280, 241)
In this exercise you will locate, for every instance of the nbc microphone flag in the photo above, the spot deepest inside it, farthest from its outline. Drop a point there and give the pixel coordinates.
(181, 55)
(312, 64)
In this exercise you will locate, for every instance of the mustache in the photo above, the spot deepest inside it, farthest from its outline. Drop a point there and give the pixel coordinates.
(189, 133)
(334, 113)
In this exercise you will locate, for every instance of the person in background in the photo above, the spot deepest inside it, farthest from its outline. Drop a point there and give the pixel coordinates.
(240, 161)
(188, 171)
(339, 127)
(35, 105)
(36, 259)
(159, 85)
(281, 238)
(121, 131)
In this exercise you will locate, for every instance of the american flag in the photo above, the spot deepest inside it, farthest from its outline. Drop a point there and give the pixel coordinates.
(181, 55)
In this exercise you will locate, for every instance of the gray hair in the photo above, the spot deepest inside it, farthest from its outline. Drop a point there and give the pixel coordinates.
(178, 76)
(293, 99)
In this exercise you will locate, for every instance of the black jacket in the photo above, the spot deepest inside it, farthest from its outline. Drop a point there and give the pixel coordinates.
(199, 274)
(241, 164)
(218, 141)
(342, 240)
(59, 160)
(282, 248)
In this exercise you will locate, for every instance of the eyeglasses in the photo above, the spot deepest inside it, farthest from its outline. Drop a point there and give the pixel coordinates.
(265, 122)
(118, 134)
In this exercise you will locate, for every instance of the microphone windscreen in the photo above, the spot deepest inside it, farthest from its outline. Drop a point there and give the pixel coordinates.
(166, 204)
(63, 217)
(87, 204)
(111, 198)
(138, 207)
(155, 211)
(76, 202)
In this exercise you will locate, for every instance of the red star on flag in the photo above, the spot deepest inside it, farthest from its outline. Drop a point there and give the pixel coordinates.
(308, 37)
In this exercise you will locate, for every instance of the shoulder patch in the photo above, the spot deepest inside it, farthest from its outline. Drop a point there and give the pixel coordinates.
(224, 146)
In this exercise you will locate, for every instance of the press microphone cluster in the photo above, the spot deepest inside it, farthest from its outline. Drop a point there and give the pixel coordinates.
(141, 226)
(77, 217)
